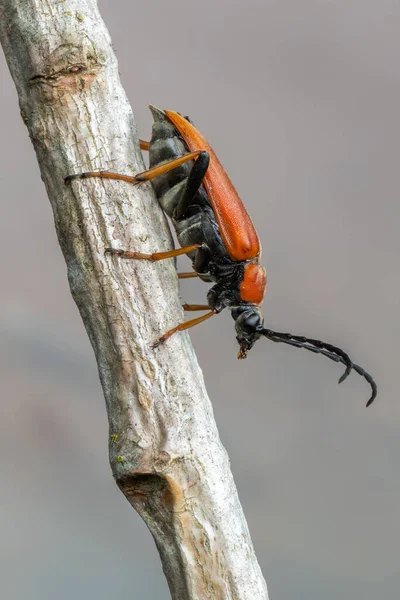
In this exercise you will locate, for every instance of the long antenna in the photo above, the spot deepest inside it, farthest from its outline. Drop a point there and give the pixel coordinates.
(318, 347)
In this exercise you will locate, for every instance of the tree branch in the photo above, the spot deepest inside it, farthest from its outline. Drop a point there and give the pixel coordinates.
(165, 452)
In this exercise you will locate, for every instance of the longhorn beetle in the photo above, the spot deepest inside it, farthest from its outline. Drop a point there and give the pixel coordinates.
(215, 231)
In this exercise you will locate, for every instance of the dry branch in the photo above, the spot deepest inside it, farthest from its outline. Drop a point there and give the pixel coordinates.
(165, 452)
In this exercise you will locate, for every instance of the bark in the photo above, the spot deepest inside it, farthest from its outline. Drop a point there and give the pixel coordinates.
(165, 452)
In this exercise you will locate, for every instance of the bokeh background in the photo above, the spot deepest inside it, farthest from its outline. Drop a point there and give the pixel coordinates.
(301, 101)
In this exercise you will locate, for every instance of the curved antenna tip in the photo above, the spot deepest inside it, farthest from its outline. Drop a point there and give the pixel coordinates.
(374, 394)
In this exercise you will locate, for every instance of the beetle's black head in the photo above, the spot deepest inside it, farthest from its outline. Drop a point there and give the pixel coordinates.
(249, 325)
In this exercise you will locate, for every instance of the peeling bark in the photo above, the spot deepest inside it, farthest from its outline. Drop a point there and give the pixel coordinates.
(165, 451)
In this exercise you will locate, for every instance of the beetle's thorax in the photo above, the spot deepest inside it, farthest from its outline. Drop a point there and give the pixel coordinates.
(237, 284)
(253, 285)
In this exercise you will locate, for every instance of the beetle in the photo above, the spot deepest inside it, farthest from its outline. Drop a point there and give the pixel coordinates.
(216, 232)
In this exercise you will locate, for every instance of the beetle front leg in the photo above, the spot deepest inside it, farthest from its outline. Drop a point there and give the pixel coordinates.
(183, 326)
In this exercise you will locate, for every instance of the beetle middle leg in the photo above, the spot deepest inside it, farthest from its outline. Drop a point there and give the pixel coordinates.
(144, 145)
(155, 255)
(195, 307)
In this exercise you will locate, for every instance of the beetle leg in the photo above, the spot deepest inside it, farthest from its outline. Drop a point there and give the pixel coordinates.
(193, 183)
(194, 307)
(183, 326)
(155, 255)
(167, 166)
(101, 175)
(144, 145)
(188, 275)
(202, 259)
(143, 176)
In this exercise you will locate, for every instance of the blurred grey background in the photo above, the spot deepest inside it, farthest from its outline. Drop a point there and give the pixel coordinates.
(300, 99)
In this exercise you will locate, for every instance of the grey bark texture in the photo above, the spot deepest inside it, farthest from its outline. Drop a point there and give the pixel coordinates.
(165, 451)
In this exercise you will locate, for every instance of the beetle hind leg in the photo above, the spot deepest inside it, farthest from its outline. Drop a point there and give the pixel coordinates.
(193, 183)
(147, 175)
